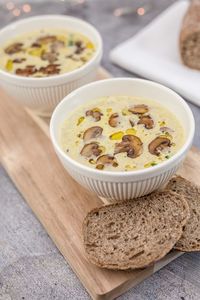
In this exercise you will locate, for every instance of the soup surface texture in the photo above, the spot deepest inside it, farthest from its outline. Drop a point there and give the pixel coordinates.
(121, 133)
(45, 53)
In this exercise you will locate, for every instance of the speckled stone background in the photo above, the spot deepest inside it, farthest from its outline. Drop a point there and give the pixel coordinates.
(31, 267)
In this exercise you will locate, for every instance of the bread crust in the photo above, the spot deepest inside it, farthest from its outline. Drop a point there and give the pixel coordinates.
(190, 239)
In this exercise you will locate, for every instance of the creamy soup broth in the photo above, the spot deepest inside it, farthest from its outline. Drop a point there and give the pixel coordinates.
(121, 133)
(46, 52)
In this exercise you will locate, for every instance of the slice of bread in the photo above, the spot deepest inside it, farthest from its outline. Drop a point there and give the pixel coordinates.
(190, 36)
(190, 240)
(135, 233)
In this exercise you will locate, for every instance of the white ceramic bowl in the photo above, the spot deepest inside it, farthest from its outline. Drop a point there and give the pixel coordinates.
(44, 94)
(123, 185)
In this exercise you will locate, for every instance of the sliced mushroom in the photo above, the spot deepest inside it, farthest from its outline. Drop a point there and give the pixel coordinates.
(79, 50)
(79, 47)
(91, 149)
(28, 70)
(158, 144)
(19, 60)
(147, 121)
(46, 39)
(106, 159)
(130, 144)
(50, 56)
(57, 45)
(132, 122)
(166, 129)
(114, 120)
(78, 44)
(35, 45)
(139, 109)
(50, 69)
(92, 133)
(96, 114)
(14, 48)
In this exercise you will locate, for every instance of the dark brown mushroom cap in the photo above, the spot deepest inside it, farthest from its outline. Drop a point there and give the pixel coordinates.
(91, 149)
(106, 159)
(78, 44)
(50, 56)
(27, 71)
(95, 114)
(139, 109)
(19, 60)
(92, 133)
(114, 120)
(50, 69)
(46, 39)
(13, 48)
(79, 47)
(147, 121)
(158, 144)
(130, 144)
(132, 123)
(36, 45)
(79, 50)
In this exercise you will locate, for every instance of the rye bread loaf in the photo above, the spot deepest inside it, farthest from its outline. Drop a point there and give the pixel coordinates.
(190, 239)
(190, 36)
(135, 233)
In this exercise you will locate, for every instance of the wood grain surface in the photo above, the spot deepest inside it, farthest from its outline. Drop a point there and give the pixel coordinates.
(58, 201)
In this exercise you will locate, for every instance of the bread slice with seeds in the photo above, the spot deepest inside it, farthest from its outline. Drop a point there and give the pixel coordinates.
(135, 233)
(190, 240)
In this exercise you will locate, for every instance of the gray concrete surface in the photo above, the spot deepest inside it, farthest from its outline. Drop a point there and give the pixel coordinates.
(30, 265)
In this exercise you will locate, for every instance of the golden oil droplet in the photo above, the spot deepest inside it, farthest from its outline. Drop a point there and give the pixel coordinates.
(100, 167)
(131, 131)
(9, 65)
(92, 161)
(80, 120)
(126, 112)
(102, 148)
(117, 136)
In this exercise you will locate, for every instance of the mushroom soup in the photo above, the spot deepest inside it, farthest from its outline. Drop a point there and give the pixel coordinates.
(121, 133)
(46, 52)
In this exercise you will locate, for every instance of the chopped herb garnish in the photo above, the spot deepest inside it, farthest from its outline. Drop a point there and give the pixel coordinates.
(70, 43)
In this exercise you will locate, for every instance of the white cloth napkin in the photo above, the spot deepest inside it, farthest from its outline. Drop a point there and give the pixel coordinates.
(154, 54)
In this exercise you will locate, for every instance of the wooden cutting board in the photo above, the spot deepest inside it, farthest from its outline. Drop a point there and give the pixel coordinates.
(58, 201)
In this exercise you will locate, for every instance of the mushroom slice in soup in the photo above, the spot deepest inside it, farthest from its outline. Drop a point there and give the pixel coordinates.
(106, 159)
(19, 60)
(147, 121)
(158, 145)
(166, 129)
(132, 122)
(139, 109)
(92, 133)
(27, 71)
(46, 39)
(35, 45)
(50, 56)
(91, 149)
(114, 120)
(50, 69)
(95, 113)
(14, 48)
(130, 144)
(57, 45)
